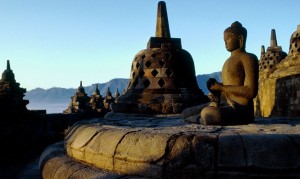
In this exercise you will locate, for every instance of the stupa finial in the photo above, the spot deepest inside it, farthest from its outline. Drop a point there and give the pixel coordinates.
(97, 92)
(117, 94)
(273, 42)
(8, 65)
(80, 88)
(262, 49)
(162, 23)
(108, 93)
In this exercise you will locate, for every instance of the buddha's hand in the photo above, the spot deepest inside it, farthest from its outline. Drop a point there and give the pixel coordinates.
(210, 82)
(214, 87)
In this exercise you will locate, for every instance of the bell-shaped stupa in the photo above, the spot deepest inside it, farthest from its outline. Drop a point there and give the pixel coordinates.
(270, 58)
(278, 93)
(96, 101)
(79, 102)
(162, 79)
(11, 94)
(291, 64)
(108, 100)
(117, 94)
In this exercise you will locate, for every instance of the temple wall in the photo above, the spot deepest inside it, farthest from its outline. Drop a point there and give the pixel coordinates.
(287, 96)
(265, 99)
(278, 97)
(279, 87)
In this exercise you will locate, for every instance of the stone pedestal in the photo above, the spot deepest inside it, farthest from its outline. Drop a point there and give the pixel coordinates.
(161, 147)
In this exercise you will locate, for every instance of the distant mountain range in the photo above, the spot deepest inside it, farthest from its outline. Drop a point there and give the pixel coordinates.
(59, 95)
(43, 98)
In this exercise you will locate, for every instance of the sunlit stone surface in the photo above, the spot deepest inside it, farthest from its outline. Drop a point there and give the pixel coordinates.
(161, 147)
(279, 85)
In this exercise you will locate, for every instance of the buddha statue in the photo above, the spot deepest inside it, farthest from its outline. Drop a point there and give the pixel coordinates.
(239, 87)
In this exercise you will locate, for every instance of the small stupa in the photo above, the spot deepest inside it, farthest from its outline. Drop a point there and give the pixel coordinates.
(270, 58)
(11, 94)
(108, 100)
(117, 94)
(96, 101)
(291, 64)
(79, 102)
(162, 78)
(278, 93)
(265, 98)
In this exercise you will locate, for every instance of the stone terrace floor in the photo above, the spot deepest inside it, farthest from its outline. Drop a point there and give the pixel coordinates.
(168, 147)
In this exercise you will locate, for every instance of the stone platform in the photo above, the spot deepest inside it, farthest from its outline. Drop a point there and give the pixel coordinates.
(167, 147)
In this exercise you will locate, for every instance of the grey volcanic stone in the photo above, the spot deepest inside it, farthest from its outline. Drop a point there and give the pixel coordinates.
(160, 147)
(271, 152)
(231, 151)
(55, 164)
(205, 150)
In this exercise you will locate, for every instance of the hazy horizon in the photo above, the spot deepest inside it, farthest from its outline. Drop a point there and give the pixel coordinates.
(49, 107)
(55, 100)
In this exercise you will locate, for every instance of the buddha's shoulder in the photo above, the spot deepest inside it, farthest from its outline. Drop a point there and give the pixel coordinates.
(249, 56)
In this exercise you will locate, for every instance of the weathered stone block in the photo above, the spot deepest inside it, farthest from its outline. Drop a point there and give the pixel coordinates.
(67, 170)
(52, 165)
(179, 157)
(77, 147)
(74, 131)
(142, 147)
(231, 151)
(173, 149)
(84, 137)
(90, 172)
(266, 97)
(138, 168)
(271, 152)
(106, 142)
(101, 150)
(205, 150)
(51, 151)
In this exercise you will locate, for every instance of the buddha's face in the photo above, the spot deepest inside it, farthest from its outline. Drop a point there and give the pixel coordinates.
(231, 42)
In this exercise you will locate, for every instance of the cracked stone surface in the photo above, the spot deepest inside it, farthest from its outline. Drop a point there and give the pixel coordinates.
(167, 147)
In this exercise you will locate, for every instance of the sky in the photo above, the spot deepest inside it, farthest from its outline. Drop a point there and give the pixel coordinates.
(58, 43)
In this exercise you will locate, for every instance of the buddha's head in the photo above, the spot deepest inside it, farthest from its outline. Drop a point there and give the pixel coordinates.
(235, 37)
